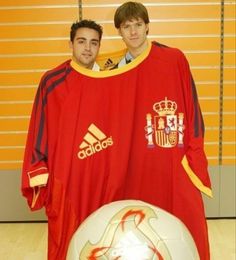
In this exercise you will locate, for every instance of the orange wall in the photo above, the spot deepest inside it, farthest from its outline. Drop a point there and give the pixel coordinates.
(34, 38)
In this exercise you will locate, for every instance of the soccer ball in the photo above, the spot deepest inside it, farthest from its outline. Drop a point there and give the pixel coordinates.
(132, 230)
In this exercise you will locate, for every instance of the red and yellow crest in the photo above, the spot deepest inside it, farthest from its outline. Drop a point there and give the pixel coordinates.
(166, 128)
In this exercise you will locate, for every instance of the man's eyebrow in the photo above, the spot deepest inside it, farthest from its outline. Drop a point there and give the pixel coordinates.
(80, 38)
(83, 38)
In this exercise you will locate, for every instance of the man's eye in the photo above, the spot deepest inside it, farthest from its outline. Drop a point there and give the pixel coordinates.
(80, 42)
(95, 43)
(125, 26)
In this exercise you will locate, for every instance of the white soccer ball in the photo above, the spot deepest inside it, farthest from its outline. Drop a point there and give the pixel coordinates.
(132, 230)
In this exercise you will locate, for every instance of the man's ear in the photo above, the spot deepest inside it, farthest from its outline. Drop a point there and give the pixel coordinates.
(119, 32)
(147, 29)
(70, 43)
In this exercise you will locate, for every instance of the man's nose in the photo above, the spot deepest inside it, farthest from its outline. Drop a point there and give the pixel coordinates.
(133, 30)
(87, 46)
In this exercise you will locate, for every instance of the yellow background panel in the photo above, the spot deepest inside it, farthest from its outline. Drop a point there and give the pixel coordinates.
(38, 62)
(213, 161)
(90, 2)
(226, 161)
(229, 105)
(211, 150)
(157, 12)
(208, 90)
(229, 9)
(230, 74)
(185, 28)
(14, 125)
(15, 110)
(17, 94)
(20, 78)
(180, 12)
(39, 46)
(197, 43)
(229, 120)
(228, 150)
(206, 43)
(11, 165)
(11, 154)
(35, 31)
(206, 74)
(230, 58)
(229, 43)
(36, 2)
(229, 27)
(211, 120)
(38, 15)
(12, 139)
(229, 135)
(209, 105)
(229, 90)
(211, 135)
(203, 59)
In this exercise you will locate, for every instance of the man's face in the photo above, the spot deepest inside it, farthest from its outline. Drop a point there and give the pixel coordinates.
(134, 33)
(85, 47)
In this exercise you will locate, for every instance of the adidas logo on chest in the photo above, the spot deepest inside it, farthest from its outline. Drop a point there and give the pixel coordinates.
(94, 141)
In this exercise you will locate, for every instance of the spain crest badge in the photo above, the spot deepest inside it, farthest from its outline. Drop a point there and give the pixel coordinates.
(166, 128)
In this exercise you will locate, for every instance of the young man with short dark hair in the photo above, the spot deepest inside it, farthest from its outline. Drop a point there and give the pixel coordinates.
(47, 179)
(85, 39)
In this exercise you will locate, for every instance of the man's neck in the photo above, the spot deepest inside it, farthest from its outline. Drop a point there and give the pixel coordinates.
(95, 67)
(137, 51)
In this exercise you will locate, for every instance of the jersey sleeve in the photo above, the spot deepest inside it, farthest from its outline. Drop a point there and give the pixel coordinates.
(195, 161)
(35, 171)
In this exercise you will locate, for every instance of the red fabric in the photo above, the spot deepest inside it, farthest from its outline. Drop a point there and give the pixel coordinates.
(124, 167)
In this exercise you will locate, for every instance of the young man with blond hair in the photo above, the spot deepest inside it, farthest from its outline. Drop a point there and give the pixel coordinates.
(175, 132)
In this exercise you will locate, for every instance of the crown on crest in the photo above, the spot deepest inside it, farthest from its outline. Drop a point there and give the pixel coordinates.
(165, 107)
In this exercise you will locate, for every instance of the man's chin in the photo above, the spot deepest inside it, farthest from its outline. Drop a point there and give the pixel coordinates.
(134, 44)
(87, 64)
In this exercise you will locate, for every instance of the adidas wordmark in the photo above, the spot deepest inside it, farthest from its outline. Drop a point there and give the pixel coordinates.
(94, 141)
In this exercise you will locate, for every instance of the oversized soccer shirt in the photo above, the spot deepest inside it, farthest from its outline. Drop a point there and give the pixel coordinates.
(135, 132)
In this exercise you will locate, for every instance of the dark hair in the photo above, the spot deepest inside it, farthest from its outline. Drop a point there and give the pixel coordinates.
(128, 11)
(85, 24)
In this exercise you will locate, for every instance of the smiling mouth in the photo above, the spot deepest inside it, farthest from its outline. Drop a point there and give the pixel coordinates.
(87, 55)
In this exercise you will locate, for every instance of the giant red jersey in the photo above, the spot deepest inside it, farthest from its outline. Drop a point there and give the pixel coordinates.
(135, 132)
